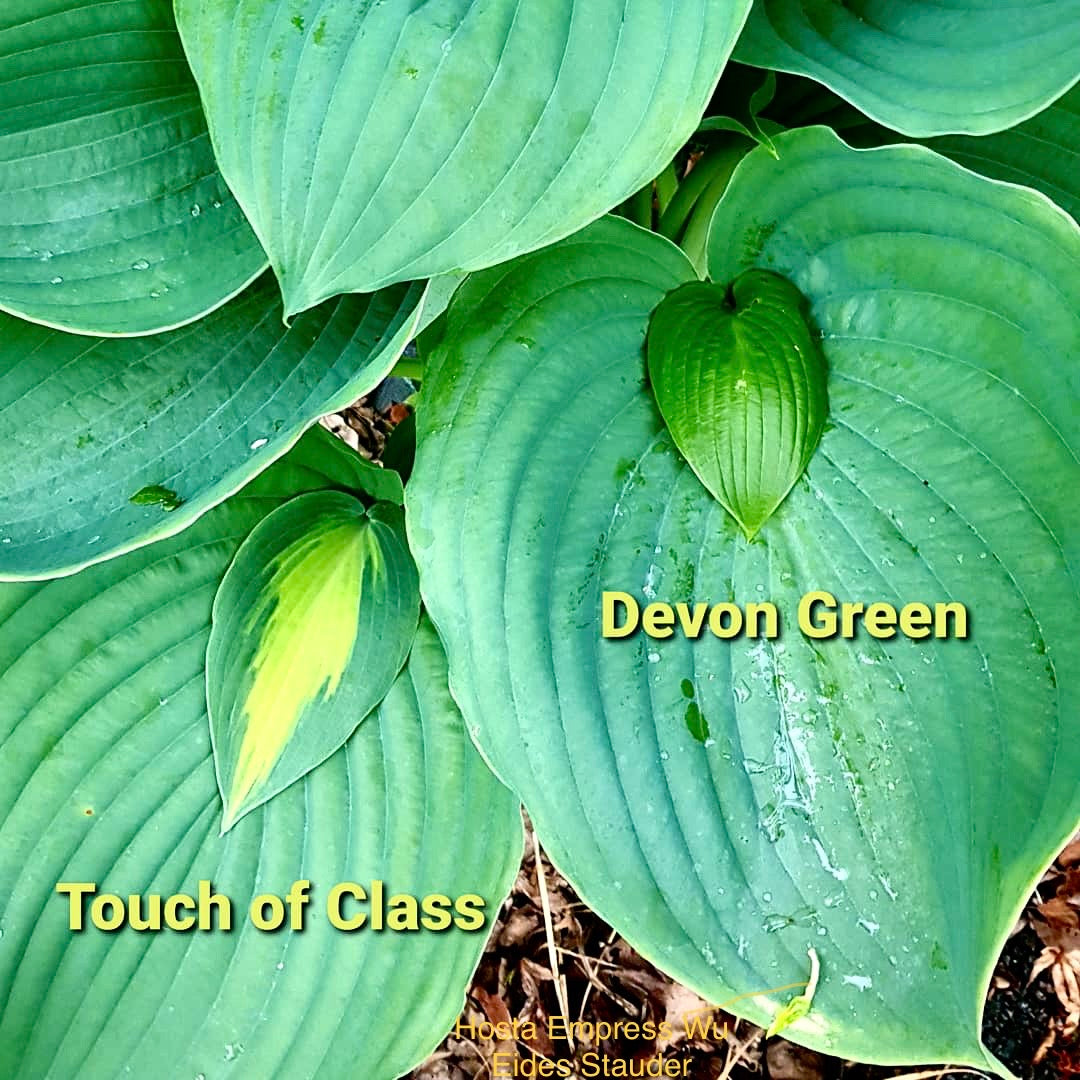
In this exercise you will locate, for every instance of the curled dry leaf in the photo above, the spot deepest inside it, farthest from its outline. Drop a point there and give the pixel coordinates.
(1058, 926)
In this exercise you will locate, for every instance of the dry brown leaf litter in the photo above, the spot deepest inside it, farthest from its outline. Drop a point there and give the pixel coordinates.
(364, 429)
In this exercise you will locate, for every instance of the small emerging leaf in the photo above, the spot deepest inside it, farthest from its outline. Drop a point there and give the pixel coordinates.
(799, 1006)
(740, 379)
(747, 121)
(312, 622)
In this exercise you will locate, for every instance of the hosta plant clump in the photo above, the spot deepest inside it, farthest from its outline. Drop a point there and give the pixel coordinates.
(730, 531)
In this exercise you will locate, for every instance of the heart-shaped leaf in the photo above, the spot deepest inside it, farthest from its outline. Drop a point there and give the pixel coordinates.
(372, 143)
(924, 69)
(113, 216)
(110, 443)
(740, 379)
(108, 777)
(889, 802)
(312, 623)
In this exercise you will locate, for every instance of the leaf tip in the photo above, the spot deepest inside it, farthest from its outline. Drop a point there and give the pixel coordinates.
(229, 818)
(297, 296)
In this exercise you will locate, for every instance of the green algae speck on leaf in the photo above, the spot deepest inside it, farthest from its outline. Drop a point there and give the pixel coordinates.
(156, 495)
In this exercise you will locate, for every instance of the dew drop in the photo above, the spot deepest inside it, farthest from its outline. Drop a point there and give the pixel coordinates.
(141, 264)
(58, 280)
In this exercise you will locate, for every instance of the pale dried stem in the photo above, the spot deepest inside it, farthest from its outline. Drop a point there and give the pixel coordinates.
(549, 930)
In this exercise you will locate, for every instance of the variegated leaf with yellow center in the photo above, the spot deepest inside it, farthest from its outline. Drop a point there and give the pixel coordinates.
(312, 623)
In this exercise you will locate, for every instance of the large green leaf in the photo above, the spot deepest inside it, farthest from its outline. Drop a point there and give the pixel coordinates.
(371, 143)
(312, 624)
(110, 443)
(1042, 153)
(925, 68)
(108, 778)
(729, 804)
(113, 216)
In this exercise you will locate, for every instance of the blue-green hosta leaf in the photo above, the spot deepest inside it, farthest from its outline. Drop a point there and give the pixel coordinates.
(372, 143)
(925, 69)
(888, 802)
(111, 443)
(377, 482)
(114, 218)
(740, 379)
(312, 624)
(109, 778)
(1041, 153)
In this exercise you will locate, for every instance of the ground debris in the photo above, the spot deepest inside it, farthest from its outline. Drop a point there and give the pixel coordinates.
(366, 424)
